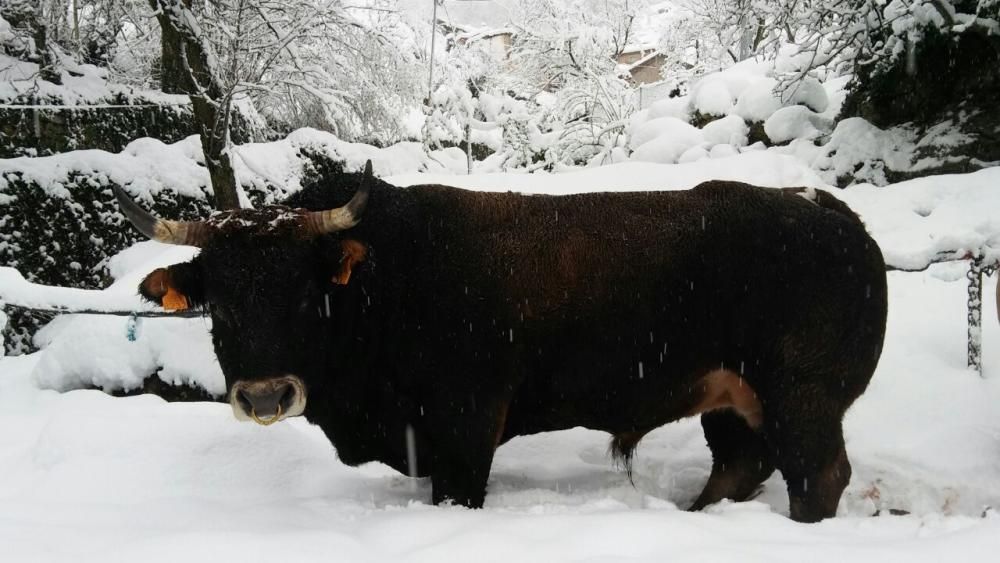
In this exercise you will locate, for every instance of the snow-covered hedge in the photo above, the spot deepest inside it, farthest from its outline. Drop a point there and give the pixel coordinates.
(61, 229)
(59, 223)
(87, 110)
(52, 128)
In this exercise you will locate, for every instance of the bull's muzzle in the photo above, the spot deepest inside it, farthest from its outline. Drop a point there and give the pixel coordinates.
(269, 400)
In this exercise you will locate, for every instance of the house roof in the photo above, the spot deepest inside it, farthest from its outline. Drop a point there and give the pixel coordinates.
(485, 33)
(653, 53)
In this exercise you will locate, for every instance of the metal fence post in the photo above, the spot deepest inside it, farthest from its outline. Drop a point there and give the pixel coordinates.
(975, 314)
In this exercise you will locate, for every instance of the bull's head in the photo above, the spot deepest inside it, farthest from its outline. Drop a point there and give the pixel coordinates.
(264, 276)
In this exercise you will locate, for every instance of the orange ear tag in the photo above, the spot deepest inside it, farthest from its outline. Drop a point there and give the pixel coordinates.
(173, 300)
(354, 252)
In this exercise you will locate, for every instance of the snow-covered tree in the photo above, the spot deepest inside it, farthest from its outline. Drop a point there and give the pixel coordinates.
(838, 36)
(571, 49)
(293, 58)
(708, 35)
(452, 112)
(837, 33)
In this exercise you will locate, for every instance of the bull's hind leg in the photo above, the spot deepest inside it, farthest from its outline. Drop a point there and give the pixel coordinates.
(807, 443)
(740, 460)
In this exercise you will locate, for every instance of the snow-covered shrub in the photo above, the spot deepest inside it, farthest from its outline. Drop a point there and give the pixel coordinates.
(43, 131)
(678, 107)
(809, 92)
(516, 149)
(736, 107)
(448, 116)
(664, 140)
(60, 224)
(759, 101)
(861, 152)
(594, 114)
(63, 233)
(87, 110)
(794, 122)
(711, 96)
(730, 130)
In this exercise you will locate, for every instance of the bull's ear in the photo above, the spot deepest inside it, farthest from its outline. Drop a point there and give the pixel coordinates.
(175, 288)
(352, 253)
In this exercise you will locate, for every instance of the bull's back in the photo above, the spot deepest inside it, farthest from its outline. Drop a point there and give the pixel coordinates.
(618, 300)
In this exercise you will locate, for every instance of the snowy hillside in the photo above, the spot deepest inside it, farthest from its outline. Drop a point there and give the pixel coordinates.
(140, 479)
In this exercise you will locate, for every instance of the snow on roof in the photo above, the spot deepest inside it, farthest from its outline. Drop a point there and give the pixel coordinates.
(485, 33)
(644, 59)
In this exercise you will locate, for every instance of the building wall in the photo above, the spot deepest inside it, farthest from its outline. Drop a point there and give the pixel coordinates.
(500, 45)
(648, 72)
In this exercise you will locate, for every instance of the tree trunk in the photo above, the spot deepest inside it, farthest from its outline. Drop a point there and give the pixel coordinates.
(171, 66)
(187, 62)
(214, 133)
(47, 69)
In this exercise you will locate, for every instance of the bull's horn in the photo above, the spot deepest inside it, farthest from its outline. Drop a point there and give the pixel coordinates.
(342, 218)
(191, 233)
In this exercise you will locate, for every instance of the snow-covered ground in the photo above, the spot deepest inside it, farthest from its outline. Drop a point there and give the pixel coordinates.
(88, 477)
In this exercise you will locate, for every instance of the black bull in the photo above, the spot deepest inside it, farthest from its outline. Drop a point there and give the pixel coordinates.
(447, 322)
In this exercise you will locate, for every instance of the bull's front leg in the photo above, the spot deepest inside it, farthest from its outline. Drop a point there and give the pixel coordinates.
(464, 444)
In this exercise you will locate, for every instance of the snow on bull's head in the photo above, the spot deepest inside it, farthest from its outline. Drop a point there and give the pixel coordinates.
(262, 274)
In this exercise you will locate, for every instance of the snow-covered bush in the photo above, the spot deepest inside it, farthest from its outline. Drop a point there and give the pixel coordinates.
(730, 130)
(594, 114)
(449, 115)
(516, 151)
(59, 223)
(794, 122)
(664, 140)
(170, 357)
(734, 109)
(88, 110)
(518, 131)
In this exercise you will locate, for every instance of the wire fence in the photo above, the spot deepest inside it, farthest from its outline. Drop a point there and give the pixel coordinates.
(647, 94)
(84, 107)
(978, 267)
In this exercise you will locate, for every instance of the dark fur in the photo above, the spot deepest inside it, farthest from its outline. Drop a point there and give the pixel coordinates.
(479, 317)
